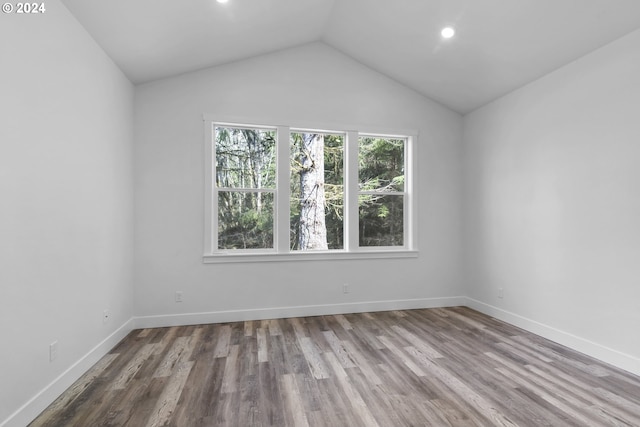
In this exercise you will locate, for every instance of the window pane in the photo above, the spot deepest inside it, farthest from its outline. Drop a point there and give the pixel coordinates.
(245, 158)
(317, 191)
(245, 220)
(381, 220)
(381, 164)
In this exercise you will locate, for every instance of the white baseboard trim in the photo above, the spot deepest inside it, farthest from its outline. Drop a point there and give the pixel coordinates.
(613, 357)
(30, 410)
(298, 311)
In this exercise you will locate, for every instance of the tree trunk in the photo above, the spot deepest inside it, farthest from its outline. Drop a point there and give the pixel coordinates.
(313, 230)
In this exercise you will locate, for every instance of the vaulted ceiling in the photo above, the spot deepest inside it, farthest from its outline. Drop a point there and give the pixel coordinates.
(499, 45)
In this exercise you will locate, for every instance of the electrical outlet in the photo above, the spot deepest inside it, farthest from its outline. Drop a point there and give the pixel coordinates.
(500, 293)
(345, 288)
(178, 296)
(53, 351)
(106, 314)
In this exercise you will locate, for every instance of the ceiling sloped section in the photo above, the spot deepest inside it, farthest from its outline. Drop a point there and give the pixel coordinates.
(499, 45)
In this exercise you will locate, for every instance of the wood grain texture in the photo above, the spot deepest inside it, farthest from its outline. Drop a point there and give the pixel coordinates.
(430, 367)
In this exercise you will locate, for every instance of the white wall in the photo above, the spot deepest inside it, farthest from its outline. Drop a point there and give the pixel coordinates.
(309, 83)
(66, 196)
(552, 204)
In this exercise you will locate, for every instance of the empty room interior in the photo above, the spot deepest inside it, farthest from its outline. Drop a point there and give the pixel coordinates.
(320, 212)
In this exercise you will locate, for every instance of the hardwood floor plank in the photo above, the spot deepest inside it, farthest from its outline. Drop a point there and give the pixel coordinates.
(274, 327)
(402, 356)
(167, 402)
(171, 357)
(467, 394)
(143, 333)
(298, 327)
(452, 414)
(204, 390)
(342, 320)
(551, 353)
(294, 401)
(247, 378)
(223, 341)
(133, 367)
(628, 407)
(362, 363)
(431, 367)
(312, 355)
(364, 334)
(381, 404)
(564, 403)
(140, 408)
(230, 376)
(248, 328)
(263, 352)
(346, 360)
(603, 409)
(270, 397)
(479, 373)
(357, 403)
(416, 342)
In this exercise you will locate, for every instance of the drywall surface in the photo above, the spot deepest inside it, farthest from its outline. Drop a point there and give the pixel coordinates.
(552, 200)
(66, 192)
(309, 84)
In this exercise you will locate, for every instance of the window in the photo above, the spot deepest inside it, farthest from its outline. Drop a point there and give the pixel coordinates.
(278, 192)
(381, 196)
(245, 187)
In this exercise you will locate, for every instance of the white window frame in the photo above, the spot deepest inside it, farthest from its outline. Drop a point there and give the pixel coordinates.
(281, 251)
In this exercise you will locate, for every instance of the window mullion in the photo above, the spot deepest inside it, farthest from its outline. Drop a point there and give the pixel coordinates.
(282, 190)
(351, 192)
(211, 212)
(410, 202)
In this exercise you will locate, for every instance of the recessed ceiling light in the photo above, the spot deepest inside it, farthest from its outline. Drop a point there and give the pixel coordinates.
(222, 1)
(447, 32)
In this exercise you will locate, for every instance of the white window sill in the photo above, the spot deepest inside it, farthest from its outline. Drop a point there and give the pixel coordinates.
(230, 257)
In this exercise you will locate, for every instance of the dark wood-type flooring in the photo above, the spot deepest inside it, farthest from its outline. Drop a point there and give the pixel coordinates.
(429, 367)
